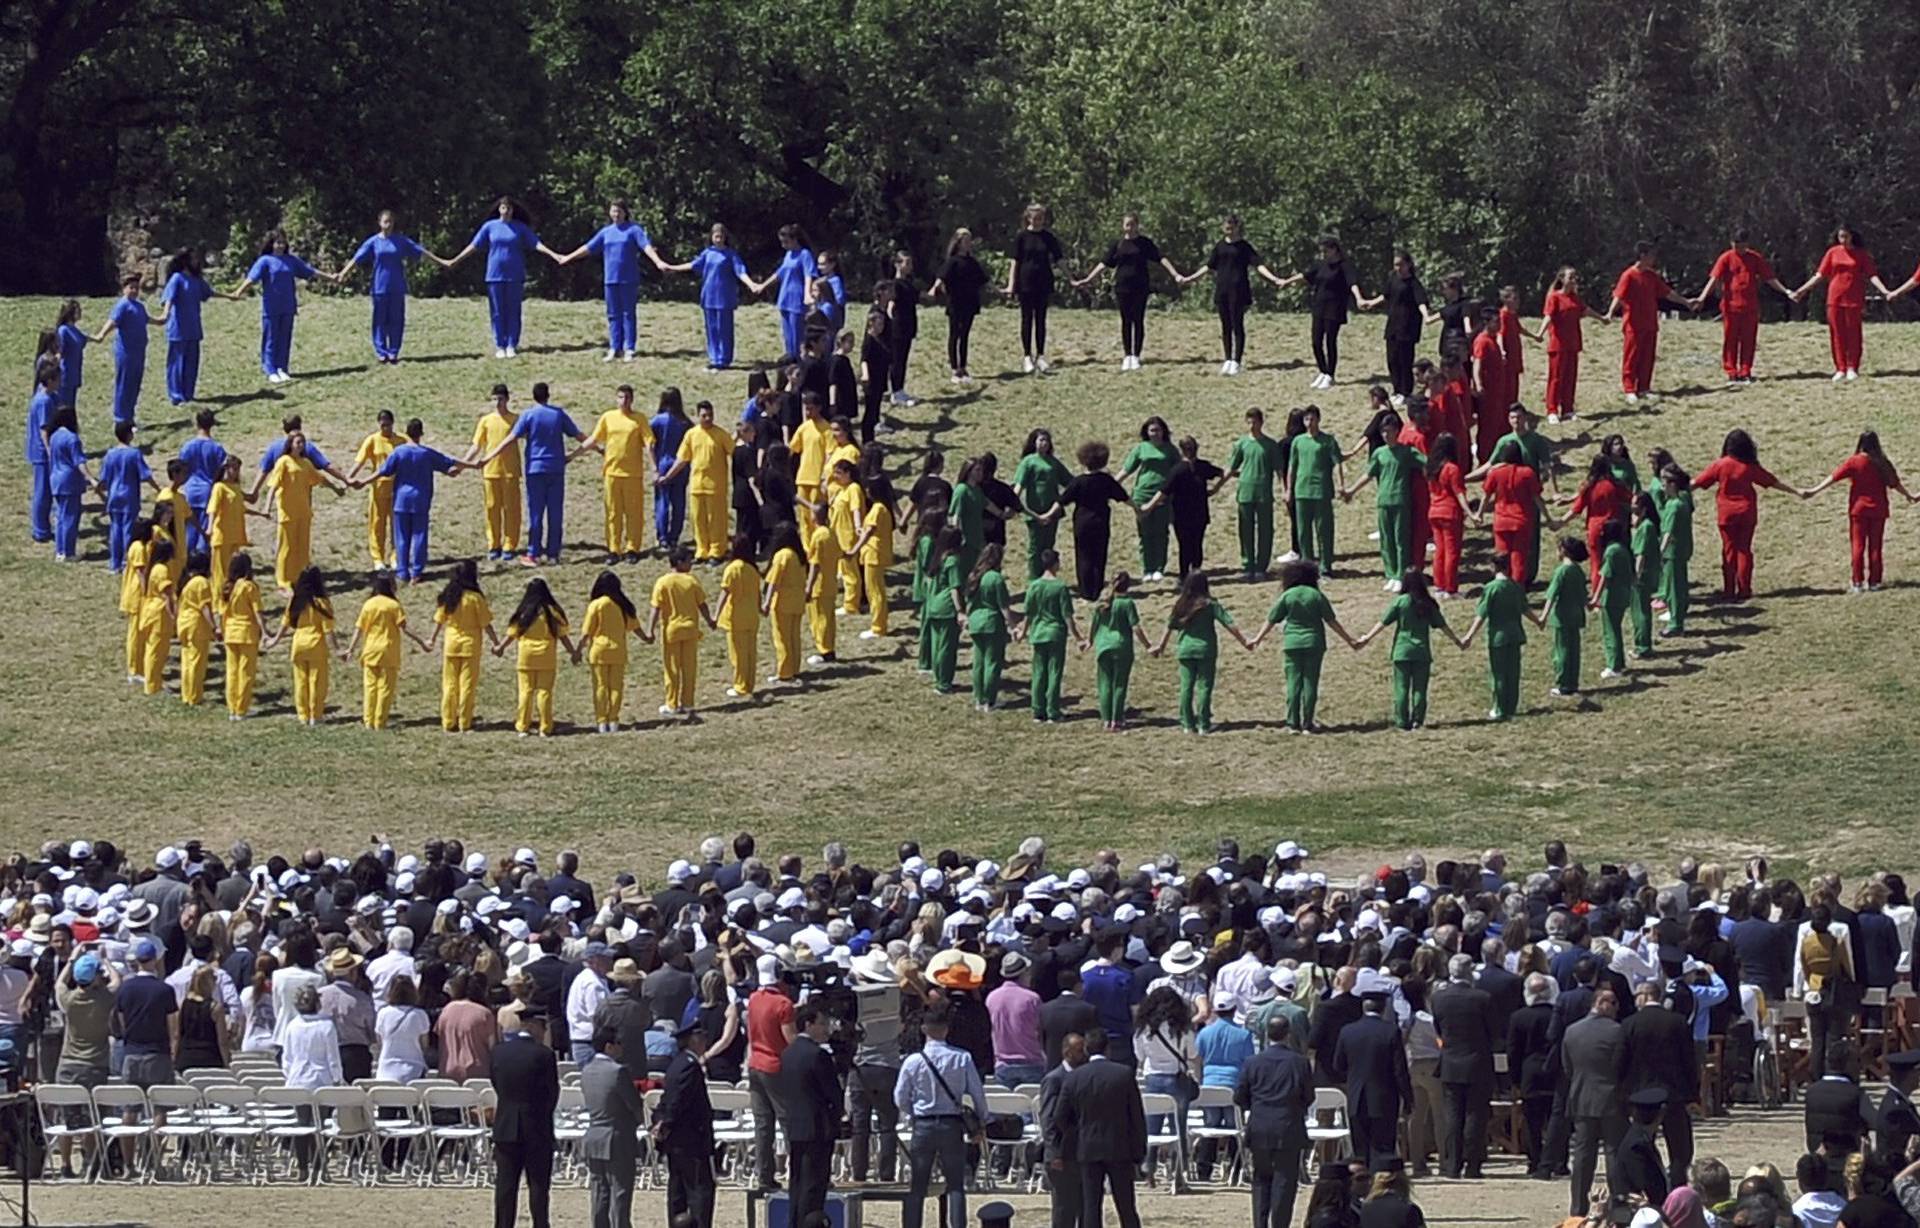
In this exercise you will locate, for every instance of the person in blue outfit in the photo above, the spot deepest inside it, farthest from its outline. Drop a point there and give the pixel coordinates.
(73, 351)
(68, 477)
(181, 298)
(122, 470)
(277, 273)
(46, 403)
(546, 428)
(412, 466)
(830, 292)
(205, 460)
(620, 244)
(507, 237)
(795, 276)
(721, 273)
(127, 323)
(389, 252)
(670, 425)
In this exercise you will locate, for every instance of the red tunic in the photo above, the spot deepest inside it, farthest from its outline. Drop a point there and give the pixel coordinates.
(1847, 270)
(1737, 498)
(1563, 312)
(1867, 496)
(1514, 489)
(1640, 291)
(1741, 274)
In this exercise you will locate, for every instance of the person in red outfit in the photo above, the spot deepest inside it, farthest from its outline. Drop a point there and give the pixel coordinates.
(1420, 434)
(1602, 499)
(1636, 299)
(1737, 277)
(1446, 400)
(1739, 475)
(1491, 394)
(1447, 512)
(1511, 330)
(1514, 489)
(1848, 269)
(1560, 324)
(1869, 475)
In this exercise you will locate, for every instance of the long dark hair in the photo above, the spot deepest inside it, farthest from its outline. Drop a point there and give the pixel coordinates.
(1195, 596)
(516, 211)
(949, 541)
(1299, 572)
(1166, 432)
(1166, 1012)
(990, 556)
(537, 600)
(1445, 449)
(273, 236)
(1739, 445)
(1413, 586)
(186, 260)
(1032, 444)
(159, 554)
(464, 579)
(672, 403)
(1870, 444)
(309, 591)
(1118, 588)
(239, 568)
(1599, 469)
(607, 585)
(932, 520)
(786, 536)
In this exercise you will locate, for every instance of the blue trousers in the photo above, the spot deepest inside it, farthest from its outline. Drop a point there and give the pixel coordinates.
(129, 371)
(410, 544)
(183, 370)
(503, 301)
(546, 510)
(120, 532)
(196, 529)
(389, 324)
(669, 511)
(66, 525)
(276, 342)
(719, 336)
(69, 394)
(623, 316)
(40, 503)
(793, 330)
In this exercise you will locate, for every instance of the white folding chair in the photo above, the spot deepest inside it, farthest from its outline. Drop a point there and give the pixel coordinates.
(347, 1127)
(569, 1130)
(1218, 1100)
(1327, 1123)
(126, 1119)
(733, 1133)
(400, 1126)
(238, 1132)
(292, 1122)
(454, 1126)
(67, 1112)
(1008, 1104)
(653, 1174)
(1166, 1134)
(183, 1110)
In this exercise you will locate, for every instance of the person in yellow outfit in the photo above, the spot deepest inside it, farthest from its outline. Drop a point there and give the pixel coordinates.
(240, 633)
(625, 441)
(538, 623)
(463, 613)
(157, 615)
(132, 581)
(194, 625)
(783, 599)
(610, 619)
(376, 633)
(501, 475)
(809, 445)
(874, 549)
(170, 507)
(678, 597)
(292, 481)
(739, 614)
(309, 616)
(846, 515)
(227, 512)
(373, 453)
(823, 577)
(841, 447)
(706, 457)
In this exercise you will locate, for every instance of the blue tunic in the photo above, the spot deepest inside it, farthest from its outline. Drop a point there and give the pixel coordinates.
(278, 449)
(122, 471)
(64, 459)
(182, 297)
(389, 257)
(39, 414)
(719, 270)
(412, 466)
(277, 276)
(620, 245)
(204, 459)
(129, 318)
(507, 245)
(546, 428)
(797, 269)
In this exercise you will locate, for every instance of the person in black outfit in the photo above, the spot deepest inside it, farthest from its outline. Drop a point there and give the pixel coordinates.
(903, 307)
(526, 1079)
(683, 1129)
(930, 489)
(746, 504)
(1464, 1020)
(1634, 1167)
(1100, 1107)
(1390, 1203)
(1659, 1055)
(811, 1092)
(1406, 301)
(1061, 1149)
(777, 494)
(1835, 1105)
(1530, 1061)
(1275, 1091)
(963, 279)
(1002, 503)
(843, 378)
(1030, 277)
(1458, 316)
(1892, 1118)
(1090, 493)
(1371, 1056)
(876, 360)
(1131, 257)
(1330, 290)
(1232, 262)
(1192, 482)
(1064, 1014)
(1339, 1009)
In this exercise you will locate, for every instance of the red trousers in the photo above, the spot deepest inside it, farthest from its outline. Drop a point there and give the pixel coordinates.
(1636, 359)
(1513, 545)
(1736, 556)
(1843, 330)
(1563, 373)
(1866, 533)
(1595, 527)
(1739, 333)
(1447, 535)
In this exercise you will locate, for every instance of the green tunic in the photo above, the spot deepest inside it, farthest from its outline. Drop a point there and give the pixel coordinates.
(987, 612)
(1199, 640)
(1646, 554)
(966, 510)
(1041, 478)
(1257, 459)
(1049, 608)
(1153, 463)
(1113, 626)
(1310, 463)
(1625, 474)
(1536, 450)
(1304, 611)
(1392, 467)
(938, 606)
(1567, 597)
(1616, 578)
(1676, 522)
(1503, 607)
(1412, 629)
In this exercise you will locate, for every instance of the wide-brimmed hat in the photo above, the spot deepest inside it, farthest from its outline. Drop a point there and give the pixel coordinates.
(625, 972)
(139, 915)
(342, 961)
(955, 969)
(1182, 958)
(874, 967)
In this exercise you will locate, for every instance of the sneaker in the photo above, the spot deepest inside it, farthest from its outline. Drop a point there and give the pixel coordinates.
(685, 714)
(1397, 401)
(1557, 693)
(1387, 587)
(234, 716)
(1553, 419)
(1026, 364)
(869, 634)
(1393, 586)
(529, 560)
(816, 659)
(499, 352)
(1873, 588)
(666, 709)
(1041, 364)
(1605, 674)
(1838, 376)
(626, 357)
(613, 726)
(1126, 364)
(776, 680)
(512, 352)
(1853, 373)
(1632, 399)
(1374, 536)
(519, 733)
(1493, 714)
(1291, 556)
(1226, 368)
(611, 355)
(734, 692)
(1856, 588)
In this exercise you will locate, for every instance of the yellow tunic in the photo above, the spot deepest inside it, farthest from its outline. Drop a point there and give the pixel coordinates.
(465, 625)
(606, 629)
(678, 596)
(538, 642)
(380, 621)
(488, 433)
(625, 436)
(741, 584)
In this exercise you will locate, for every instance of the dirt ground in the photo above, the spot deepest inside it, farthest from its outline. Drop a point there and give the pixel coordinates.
(1749, 1137)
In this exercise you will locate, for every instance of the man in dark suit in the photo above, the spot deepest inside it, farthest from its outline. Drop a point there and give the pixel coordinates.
(811, 1094)
(1591, 1054)
(1275, 1092)
(1835, 1103)
(1530, 1063)
(614, 1113)
(1892, 1118)
(683, 1130)
(1062, 1146)
(1067, 1013)
(1762, 949)
(1657, 1052)
(526, 1079)
(1634, 1166)
(1505, 988)
(1371, 1058)
(1100, 1106)
(1341, 1008)
(1463, 1019)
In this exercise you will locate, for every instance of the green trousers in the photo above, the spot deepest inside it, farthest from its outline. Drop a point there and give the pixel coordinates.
(1673, 587)
(943, 650)
(1395, 539)
(1303, 685)
(1048, 662)
(1410, 692)
(1566, 658)
(1314, 518)
(1613, 646)
(1256, 537)
(1196, 693)
(1040, 535)
(1503, 677)
(989, 660)
(1111, 672)
(1153, 539)
(923, 648)
(1642, 611)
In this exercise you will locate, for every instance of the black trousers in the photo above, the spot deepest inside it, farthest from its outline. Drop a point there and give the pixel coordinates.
(1593, 1137)
(870, 1092)
(511, 1161)
(1400, 363)
(746, 522)
(1463, 1127)
(1098, 1176)
(1090, 558)
(1133, 322)
(1537, 1110)
(1033, 324)
(356, 1062)
(959, 332)
(1066, 1194)
(690, 1187)
(1233, 328)
(1375, 1138)
(809, 1170)
(1326, 344)
(897, 369)
(870, 408)
(1276, 1180)
(1192, 540)
(1676, 1127)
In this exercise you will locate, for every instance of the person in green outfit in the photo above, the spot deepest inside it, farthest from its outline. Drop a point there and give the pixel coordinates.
(1038, 479)
(989, 616)
(1646, 572)
(1304, 614)
(1413, 615)
(1566, 606)
(1049, 610)
(1612, 596)
(941, 609)
(1195, 616)
(926, 534)
(967, 511)
(1116, 626)
(1151, 462)
(1315, 473)
(1676, 545)
(1392, 465)
(1253, 464)
(1620, 463)
(1296, 427)
(1536, 450)
(1502, 609)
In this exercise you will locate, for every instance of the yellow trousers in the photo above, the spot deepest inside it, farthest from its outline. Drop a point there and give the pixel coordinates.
(806, 494)
(609, 692)
(786, 644)
(850, 583)
(243, 665)
(193, 669)
(626, 513)
(820, 614)
(876, 582)
(136, 646)
(681, 661)
(709, 516)
(310, 670)
(220, 561)
(503, 513)
(743, 649)
(380, 522)
(377, 685)
(155, 647)
(293, 551)
(536, 692)
(459, 687)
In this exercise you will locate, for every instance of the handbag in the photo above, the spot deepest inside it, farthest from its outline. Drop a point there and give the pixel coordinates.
(969, 1116)
(1183, 1078)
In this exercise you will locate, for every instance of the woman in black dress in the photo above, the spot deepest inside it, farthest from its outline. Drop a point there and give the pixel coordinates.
(1330, 290)
(930, 489)
(1191, 484)
(1090, 493)
(1406, 301)
(903, 307)
(777, 494)
(1232, 263)
(746, 500)
(1131, 258)
(1030, 277)
(203, 1025)
(963, 279)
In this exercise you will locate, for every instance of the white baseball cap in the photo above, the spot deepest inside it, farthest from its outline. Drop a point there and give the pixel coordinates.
(679, 871)
(525, 857)
(167, 858)
(476, 863)
(1287, 850)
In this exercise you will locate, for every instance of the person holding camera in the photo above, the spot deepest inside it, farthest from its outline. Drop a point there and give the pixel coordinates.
(934, 1087)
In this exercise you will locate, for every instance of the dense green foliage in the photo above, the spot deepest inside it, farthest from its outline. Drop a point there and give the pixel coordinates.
(1491, 135)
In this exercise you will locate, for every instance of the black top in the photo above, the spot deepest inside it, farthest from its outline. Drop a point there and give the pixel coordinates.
(1132, 261)
(1232, 263)
(812, 1095)
(1100, 1103)
(1456, 324)
(1874, 1211)
(999, 495)
(685, 1113)
(746, 467)
(1187, 490)
(527, 1082)
(1275, 1090)
(964, 279)
(199, 1037)
(877, 356)
(1035, 251)
(791, 415)
(906, 307)
(776, 498)
(1329, 291)
(931, 489)
(723, 1065)
(844, 386)
(1089, 494)
(816, 376)
(1405, 297)
(1391, 1211)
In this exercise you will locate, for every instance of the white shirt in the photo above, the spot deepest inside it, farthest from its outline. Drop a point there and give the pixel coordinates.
(257, 1010)
(310, 1053)
(399, 1029)
(1160, 1054)
(583, 999)
(1820, 1209)
(286, 983)
(1243, 977)
(222, 984)
(13, 985)
(380, 973)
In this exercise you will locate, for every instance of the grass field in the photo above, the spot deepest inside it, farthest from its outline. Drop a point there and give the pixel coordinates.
(1778, 725)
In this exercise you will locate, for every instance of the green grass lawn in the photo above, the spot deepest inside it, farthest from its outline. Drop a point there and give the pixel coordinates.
(1780, 724)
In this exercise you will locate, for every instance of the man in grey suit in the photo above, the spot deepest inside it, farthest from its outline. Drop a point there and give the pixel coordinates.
(1593, 1053)
(611, 1144)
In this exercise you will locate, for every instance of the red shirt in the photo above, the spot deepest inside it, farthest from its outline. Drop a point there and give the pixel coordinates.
(1448, 413)
(1442, 507)
(1737, 496)
(1741, 274)
(1515, 489)
(1867, 497)
(767, 1011)
(1847, 270)
(1601, 500)
(1510, 340)
(1563, 312)
(1419, 440)
(1489, 365)
(1640, 291)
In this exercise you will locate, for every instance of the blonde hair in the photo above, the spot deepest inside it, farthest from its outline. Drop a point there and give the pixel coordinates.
(1035, 212)
(200, 984)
